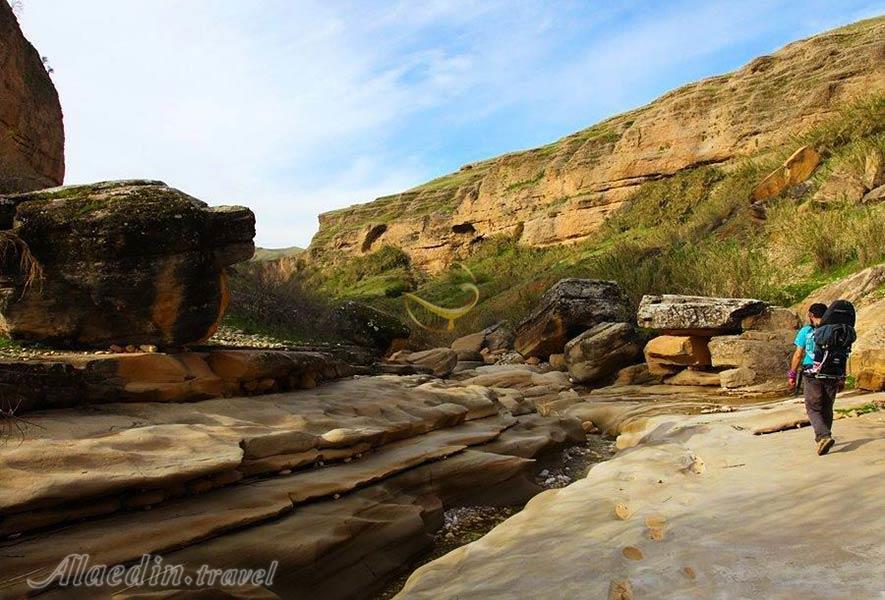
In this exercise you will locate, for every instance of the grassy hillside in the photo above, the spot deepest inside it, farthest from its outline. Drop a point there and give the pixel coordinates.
(690, 233)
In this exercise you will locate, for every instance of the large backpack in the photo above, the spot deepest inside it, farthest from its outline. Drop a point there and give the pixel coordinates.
(833, 339)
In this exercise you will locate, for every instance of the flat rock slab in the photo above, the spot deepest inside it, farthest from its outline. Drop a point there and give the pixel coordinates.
(68, 456)
(712, 511)
(59, 381)
(125, 537)
(695, 315)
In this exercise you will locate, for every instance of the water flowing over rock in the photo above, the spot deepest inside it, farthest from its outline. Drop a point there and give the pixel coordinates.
(31, 131)
(567, 309)
(124, 262)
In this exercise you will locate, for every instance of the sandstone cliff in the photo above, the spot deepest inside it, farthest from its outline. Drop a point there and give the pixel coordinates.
(31, 132)
(562, 192)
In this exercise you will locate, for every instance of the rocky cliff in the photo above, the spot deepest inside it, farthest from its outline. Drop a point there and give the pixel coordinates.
(562, 192)
(31, 132)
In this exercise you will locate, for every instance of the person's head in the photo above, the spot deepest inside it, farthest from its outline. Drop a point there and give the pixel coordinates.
(816, 313)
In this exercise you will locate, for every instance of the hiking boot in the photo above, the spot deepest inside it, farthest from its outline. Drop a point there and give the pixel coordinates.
(824, 445)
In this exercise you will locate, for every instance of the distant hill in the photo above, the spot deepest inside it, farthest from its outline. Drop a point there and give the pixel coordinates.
(265, 254)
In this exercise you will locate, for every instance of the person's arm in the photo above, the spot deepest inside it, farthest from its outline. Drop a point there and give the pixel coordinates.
(795, 363)
(798, 355)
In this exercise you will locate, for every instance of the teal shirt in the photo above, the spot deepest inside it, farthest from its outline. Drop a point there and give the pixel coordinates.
(805, 339)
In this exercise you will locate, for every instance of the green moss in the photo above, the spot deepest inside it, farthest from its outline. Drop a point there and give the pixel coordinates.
(518, 185)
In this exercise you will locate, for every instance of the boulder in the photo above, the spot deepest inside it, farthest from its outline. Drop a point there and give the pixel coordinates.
(467, 365)
(667, 354)
(737, 378)
(766, 354)
(693, 377)
(874, 196)
(868, 368)
(124, 262)
(473, 342)
(440, 361)
(874, 170)
(32, 139)
(565, 310)
(557, 362)
(636, 375)
(601, 351)
(471, 355)
(498, 337)
(368, 326)
(696, 315)
(773, 318)
(841, 186)
(796, 169)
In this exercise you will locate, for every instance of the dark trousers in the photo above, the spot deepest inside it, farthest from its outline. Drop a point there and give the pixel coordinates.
(820, 395)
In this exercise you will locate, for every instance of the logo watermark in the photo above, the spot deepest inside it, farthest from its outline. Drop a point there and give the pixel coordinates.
(77, 570)
(449, 314)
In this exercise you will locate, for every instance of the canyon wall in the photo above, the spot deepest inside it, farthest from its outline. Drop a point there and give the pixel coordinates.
(562, 192)
(31, 132)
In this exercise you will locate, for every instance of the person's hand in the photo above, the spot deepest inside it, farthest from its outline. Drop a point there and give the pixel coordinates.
(840, 386)
(791, 377)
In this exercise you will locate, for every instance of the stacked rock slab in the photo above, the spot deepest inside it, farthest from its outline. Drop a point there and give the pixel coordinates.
(695, 315)
(744, 340)
(31, 131)
(567, 309)
(669, 354)
(122, 262)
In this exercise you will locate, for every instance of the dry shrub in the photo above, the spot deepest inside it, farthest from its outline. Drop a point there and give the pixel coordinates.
(17, 261)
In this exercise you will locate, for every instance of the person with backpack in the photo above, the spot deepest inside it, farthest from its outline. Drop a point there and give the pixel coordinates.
(803, 357)
(825, 377)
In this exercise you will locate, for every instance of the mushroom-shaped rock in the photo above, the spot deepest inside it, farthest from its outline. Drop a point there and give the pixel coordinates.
(120, 262)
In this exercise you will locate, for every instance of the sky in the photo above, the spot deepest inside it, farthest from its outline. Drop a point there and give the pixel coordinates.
(295, 107)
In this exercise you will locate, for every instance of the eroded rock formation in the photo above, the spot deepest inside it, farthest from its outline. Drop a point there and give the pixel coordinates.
(567, 309)
(124, 262)
(31, 132)
(562, 192)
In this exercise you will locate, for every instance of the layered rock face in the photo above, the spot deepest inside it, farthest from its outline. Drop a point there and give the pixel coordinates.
(31, 132)
(562, 192)
(126, 262)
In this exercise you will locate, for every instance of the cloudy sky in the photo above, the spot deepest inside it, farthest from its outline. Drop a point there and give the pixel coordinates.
(298, 107)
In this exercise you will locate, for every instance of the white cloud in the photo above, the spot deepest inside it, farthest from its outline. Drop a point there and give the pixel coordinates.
(295, 108)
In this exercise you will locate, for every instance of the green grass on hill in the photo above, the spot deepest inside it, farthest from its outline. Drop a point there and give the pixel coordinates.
(691, 233)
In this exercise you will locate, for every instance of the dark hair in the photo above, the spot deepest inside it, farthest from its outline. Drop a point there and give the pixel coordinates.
(817, 309)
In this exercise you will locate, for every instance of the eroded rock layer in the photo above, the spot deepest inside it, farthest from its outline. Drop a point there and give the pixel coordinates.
(562, 192)
(31, 132)
(343, 484)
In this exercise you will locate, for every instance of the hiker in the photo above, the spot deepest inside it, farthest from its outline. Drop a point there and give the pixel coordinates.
(803, 357)
(831, 336)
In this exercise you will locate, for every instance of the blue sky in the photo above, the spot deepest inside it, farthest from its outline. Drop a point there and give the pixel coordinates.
(297, 107)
